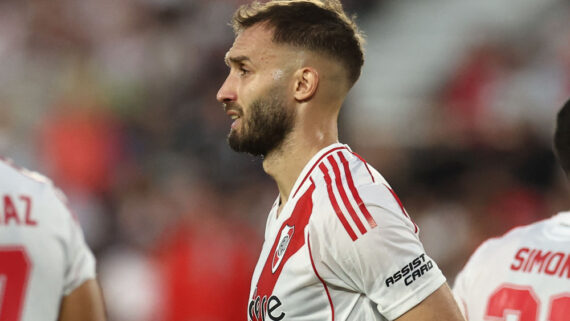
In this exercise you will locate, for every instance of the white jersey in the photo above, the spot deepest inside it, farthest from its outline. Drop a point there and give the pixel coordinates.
(342, 248)
(43, 255)
(523, 275)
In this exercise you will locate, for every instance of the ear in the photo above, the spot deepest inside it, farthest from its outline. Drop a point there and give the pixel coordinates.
(306, 83)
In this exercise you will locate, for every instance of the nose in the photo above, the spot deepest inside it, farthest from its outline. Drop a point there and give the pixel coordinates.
(227, 92)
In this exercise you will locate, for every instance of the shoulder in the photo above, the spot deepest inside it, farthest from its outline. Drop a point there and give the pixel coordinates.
(344, 174)
(517, 233)
(15, 174)
(501, 247)
(18, 181)
(348, 186)
(491, 245)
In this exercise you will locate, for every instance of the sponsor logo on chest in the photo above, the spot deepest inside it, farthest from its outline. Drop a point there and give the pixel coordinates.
(262, 309)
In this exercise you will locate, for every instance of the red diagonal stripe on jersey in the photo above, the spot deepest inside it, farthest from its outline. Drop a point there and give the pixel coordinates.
(314, 165)
(335, 204)
(299, 219)
(401, 206)
(355, 194)
(343, 196)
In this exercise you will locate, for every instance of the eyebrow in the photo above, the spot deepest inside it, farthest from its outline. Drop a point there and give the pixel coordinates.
(236, 60)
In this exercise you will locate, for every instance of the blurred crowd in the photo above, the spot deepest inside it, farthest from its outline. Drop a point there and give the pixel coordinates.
(115, 101)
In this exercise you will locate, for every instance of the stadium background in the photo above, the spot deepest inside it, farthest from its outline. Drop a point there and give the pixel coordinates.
(115, 100)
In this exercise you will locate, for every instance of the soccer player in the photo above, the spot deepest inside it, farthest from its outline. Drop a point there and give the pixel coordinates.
(47, 272)
(338, 243)
(524, 274)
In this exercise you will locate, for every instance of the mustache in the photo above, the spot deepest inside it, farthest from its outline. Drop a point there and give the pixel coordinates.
(232, 106)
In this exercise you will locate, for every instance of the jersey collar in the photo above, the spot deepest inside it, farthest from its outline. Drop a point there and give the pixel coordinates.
(300, 183)
(313, 162)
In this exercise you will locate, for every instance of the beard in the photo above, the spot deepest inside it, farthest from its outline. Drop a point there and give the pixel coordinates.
(268, 124)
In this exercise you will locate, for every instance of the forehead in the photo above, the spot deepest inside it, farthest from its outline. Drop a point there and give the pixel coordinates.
(255, 43)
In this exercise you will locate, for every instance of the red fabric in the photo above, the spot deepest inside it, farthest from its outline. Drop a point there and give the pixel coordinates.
(206, 272)
(466, 95)
(79, 146)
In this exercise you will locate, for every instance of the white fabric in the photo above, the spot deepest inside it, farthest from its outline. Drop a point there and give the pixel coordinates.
(47, 235)
(531, 261)
(318, 269)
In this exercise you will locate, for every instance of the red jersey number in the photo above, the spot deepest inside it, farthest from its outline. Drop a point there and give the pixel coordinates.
(559, 307)
(14, 272)
(522, 301)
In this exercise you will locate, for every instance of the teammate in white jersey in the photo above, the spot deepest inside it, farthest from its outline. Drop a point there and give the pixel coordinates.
(47, 272)
(525, 274)
(338, 243)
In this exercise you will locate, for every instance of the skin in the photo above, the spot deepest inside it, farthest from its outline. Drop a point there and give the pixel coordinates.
(84, 303)
(314, 88)
(311, 92)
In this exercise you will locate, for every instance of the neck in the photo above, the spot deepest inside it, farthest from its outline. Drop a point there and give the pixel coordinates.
(285, 163)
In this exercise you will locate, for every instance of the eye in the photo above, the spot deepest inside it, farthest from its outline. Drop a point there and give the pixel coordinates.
(243, 71)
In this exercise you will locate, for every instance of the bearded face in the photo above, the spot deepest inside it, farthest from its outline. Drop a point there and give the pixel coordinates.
(264, 127)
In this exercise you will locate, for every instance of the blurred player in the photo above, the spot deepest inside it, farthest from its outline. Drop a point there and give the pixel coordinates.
(525, 274)
(338, 243)
(47, 272)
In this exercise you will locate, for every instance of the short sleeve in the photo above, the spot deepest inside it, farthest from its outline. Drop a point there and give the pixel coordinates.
(80, 261)
(81, 265)
(388, 263)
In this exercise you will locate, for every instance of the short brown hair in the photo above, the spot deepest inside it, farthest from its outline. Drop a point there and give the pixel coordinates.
(319, 26)
(562, 137)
